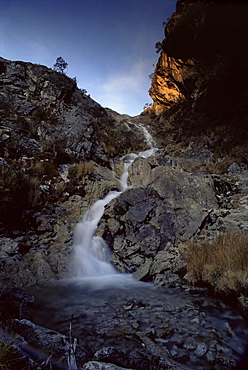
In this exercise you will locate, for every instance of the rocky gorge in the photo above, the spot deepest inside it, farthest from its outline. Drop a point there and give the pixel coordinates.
(61, 151)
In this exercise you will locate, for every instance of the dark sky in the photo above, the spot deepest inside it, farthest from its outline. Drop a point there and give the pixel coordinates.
(108, 44)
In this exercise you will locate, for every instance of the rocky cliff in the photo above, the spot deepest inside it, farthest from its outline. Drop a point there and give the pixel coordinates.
(199, 85)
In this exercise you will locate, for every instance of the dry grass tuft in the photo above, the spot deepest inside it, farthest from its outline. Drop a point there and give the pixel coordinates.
(222, 263)
(8, 357)
(79, 170)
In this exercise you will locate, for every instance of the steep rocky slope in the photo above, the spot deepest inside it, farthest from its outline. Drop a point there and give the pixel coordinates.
(56, 151)
(199, 85)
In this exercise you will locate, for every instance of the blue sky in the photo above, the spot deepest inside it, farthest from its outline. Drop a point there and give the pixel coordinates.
(108, 44)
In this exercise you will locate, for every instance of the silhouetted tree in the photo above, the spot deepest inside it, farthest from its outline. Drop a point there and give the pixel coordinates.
(158, 47)
(60, 65)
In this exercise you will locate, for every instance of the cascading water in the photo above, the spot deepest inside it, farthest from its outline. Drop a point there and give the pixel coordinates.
(147, 136)
(91, 253)
(107, 310)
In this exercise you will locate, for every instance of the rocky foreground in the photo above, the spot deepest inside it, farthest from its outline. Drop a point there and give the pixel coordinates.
(60, 152)
(122, 324)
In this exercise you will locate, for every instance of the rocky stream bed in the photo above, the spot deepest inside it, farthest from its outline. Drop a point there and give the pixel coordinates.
(120, 323)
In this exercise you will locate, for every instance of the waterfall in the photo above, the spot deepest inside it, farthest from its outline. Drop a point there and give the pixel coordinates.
(91, 253)
(147, 136)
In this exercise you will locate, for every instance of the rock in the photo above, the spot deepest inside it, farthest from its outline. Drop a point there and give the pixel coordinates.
(162, 262)
(233, 168)
(225, 360)
(164, 206)
(201, 349)
(96, 365)
(140, 360)
(166, 85)
(143, 271)
(189, 345)
(194, 67)
(210, 355)
(49, 341)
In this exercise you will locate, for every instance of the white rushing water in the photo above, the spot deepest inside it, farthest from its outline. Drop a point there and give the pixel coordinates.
(92, 254)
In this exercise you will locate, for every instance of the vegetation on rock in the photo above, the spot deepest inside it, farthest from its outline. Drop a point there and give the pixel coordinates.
(222, 263)
(60, 65)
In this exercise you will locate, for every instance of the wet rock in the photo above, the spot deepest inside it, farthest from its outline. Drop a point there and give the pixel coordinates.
(174, 351)
(210, 355)
(189, 345)
(229, 330)
(225, 360)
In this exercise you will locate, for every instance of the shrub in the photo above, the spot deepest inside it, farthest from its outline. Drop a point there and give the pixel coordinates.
(222, 263)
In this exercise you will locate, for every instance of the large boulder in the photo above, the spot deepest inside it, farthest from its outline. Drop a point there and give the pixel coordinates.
(166, 206)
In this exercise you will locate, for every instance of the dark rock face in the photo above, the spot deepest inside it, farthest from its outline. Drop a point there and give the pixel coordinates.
(192, 31)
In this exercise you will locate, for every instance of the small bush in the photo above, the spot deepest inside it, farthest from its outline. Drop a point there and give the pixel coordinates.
(222, 263)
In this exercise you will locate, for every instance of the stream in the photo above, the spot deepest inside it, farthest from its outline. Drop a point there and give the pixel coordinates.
(134, 324)
(116, 311)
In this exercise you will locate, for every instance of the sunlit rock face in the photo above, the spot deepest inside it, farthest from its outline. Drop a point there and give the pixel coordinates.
(169, 85)
(201, 76)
